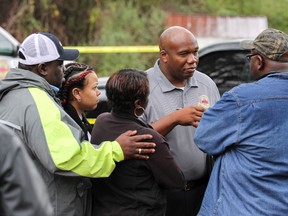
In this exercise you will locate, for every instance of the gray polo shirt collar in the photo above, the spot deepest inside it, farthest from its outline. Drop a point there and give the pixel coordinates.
(166, 85)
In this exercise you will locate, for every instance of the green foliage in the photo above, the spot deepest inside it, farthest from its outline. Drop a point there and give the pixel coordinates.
(126, 25)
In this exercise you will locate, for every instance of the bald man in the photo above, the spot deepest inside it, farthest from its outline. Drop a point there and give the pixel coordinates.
(179, 96)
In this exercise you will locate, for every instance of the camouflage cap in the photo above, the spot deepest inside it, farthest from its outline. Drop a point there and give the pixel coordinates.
(271, 43)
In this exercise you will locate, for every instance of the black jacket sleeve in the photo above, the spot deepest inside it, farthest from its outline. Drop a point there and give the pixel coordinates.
(164, 168)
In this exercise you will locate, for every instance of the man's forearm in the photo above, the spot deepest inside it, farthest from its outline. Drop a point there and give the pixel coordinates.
(165, 124)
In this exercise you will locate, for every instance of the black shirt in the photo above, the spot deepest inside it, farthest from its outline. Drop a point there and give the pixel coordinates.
(83, 123)
(136, 187)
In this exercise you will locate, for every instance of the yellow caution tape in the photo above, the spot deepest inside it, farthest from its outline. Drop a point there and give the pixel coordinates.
(91, 120)
(115, 49)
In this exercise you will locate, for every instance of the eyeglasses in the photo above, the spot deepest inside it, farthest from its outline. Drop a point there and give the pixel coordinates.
(249, 56)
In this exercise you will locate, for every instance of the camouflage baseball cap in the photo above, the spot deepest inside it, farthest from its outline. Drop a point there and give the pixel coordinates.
(271, 43)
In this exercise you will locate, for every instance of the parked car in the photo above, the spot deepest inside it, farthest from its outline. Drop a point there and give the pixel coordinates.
(8, 52)
(225, 62)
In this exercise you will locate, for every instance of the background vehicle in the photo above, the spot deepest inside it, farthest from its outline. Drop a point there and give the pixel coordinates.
(8, 52)
(225, 62)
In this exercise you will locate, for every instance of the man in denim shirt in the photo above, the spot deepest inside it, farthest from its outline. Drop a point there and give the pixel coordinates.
(246, 131)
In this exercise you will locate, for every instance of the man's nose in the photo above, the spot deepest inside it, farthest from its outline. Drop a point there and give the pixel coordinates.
(192, 58)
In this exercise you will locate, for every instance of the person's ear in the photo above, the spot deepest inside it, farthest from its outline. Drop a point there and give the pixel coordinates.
(261, 62)
(42, 69)
(137, 103)
(75, 92)
(163, 55)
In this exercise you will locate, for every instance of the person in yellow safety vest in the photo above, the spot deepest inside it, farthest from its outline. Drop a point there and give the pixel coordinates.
(53, 139)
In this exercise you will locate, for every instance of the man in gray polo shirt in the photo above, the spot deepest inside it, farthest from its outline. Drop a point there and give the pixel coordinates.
(179, 94)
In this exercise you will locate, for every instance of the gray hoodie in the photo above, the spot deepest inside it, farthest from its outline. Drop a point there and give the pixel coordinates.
(22, 190)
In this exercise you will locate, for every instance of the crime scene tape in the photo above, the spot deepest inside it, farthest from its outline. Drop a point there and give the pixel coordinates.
(91, 120)
(115, 49)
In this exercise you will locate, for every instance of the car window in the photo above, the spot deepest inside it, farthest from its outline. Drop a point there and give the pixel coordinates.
(6, 47)
(226, 68)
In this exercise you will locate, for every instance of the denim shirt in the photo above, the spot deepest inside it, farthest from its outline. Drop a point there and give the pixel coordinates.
(247, 132)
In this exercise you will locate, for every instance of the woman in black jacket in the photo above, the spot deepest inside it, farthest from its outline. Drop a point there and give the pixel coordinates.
(136, 187)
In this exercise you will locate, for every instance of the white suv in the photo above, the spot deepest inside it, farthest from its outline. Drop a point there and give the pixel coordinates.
(8, 52)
